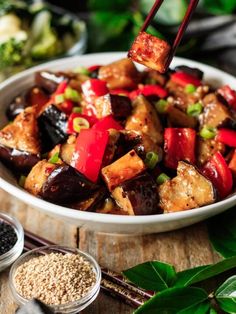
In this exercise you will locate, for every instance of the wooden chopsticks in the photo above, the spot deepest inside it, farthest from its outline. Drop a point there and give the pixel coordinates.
(112, 283)
(192, 6)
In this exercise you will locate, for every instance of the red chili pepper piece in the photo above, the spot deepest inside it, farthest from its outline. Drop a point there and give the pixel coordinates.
(184, 79)
(120, 91)
(89, 151)
(229, 94)
(61, 88)
(67, 106)
(217, 170)
(107, 123)
(70, 123)
(179, 144)
(94, 68)
(227, 137)
(94, 88)
(149, 90)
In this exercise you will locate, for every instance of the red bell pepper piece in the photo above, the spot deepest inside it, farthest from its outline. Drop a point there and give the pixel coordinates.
(232, 163)
(94, 68)
(89, 151)
(217, 170)
(184, 79)
(61, 88)
(107, 123)
(149, 90)
(94, 88)
(120, 91)
(67, 106)
(229, 94)
(90, 110)
(179, 144)
(227, 137)
(74, 115)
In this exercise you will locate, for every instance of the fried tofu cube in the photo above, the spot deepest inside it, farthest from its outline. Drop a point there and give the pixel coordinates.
(125, 168)
(150, 51)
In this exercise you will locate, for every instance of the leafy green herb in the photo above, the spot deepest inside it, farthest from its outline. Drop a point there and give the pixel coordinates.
(223, 238)
(226, 295)
(54, 159)
(154, 275)
(220, 6)
(175, 300)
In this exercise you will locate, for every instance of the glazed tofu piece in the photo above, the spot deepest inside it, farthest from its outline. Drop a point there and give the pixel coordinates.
(22, 134)
(137, 196)
(124, 168)
(119, 106)
(145, 120)
(206, 148)
(38, 176)
(150, 51)
(120, 74)
(189, 189)
(215, 113)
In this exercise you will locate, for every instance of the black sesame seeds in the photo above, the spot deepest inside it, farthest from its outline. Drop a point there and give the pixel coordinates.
(8, 237)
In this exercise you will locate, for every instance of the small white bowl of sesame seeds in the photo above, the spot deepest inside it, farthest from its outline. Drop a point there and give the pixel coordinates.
(66, 279)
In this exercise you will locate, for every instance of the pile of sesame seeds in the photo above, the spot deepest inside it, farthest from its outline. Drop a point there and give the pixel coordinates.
(55, 278)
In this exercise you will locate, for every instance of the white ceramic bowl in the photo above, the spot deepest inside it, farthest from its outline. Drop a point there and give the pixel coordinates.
(106, 222)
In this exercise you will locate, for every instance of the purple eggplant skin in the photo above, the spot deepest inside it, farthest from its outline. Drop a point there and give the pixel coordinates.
(49, 81)
(191, 71)
(19, 161)
(66, 185)
(121, 106)
(16, 106)
(52, 127)
(139, 194)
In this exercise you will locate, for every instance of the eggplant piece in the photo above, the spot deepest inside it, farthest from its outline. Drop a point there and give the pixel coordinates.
(16, 106)
(119, 106)
(145, 120)
(125, 168)
(52, 126)
(49, 80)
(191, 71)
(120, 74)
(138, 196)
(66, 185)
(150, 51)
(111, 147)
(22, 134)
(215, 113)
(188, 190)
(154, 77)
(179, 119)
(19, 161)
(206, 148)
(67, 149)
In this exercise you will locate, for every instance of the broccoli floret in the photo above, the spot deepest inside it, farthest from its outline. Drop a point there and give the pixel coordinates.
(11, 53)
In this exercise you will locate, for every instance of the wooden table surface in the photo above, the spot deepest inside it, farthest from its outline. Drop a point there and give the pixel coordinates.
(183, 248)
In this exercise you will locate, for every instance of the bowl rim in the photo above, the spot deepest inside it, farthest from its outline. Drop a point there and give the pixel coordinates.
(102, 217)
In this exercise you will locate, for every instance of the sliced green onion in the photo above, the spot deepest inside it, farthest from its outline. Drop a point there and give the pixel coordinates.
(82, 70)
(79, 124)
(77, 109)
(208, 132)
(190, 88)
(162, 178)
(151, 160)
(54, 159)
(161, 106)
(72, 94)
(21, 181)
(59, 99)
(194, 110)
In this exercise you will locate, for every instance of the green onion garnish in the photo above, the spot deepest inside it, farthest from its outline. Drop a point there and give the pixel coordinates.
(151, 160)
(79, 124)
(161, 106)
(54, 159)
(208, 132)
(162, 178)
(190, 88)
(194, 110)
(77, 109)
(72, 94)
(59, 99)
(21, 181)
(82, 70)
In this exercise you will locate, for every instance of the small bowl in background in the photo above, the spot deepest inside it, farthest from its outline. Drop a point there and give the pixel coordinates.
(9, 257)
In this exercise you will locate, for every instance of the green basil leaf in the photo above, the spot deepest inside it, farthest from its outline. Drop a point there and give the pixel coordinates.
(170, 13)
(220, 6)
(223, 238)
(212, 311)
(189, 277)
(226, 295)
(200, 308)
(173, 301)
(154, 275)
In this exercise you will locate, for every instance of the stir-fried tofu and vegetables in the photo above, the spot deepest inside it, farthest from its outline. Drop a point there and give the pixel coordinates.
(113, 139)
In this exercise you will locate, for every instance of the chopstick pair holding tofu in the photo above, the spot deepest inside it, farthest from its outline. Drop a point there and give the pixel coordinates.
(153, 52)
